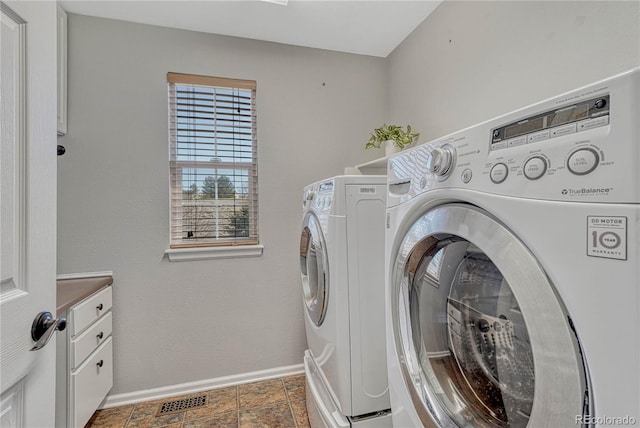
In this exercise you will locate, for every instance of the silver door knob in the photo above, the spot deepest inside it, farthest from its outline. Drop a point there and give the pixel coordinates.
(43, 328)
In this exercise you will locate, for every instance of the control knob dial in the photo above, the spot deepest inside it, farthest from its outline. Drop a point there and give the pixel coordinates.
(441, 160)
(583, 160)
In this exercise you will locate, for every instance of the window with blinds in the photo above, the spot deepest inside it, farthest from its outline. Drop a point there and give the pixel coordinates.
(213, 161)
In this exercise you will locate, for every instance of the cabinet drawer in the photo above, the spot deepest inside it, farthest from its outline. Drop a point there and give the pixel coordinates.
(89, 310)
(90, 383)
(90, 339)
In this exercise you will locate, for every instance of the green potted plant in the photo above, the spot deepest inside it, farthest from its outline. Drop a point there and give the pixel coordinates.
(393, 137)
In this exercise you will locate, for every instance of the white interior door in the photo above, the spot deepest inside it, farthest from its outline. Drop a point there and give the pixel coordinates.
(28, 210)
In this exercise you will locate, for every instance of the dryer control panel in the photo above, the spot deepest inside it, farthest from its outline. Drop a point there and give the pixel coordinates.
(318, 196)
(582, 146)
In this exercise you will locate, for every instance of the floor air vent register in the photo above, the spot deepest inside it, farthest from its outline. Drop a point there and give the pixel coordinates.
(182, 405)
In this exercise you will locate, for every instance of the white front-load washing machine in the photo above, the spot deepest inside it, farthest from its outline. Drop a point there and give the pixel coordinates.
(513, 268)
(342, 266)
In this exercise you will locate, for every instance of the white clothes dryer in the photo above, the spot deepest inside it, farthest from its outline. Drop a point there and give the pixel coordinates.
(513, 268)
(342, 266)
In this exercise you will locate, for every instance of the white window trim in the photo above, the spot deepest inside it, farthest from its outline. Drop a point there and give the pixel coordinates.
(208, 253)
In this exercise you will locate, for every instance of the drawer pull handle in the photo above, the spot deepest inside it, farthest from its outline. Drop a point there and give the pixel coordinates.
(100, 363)
(100, 335)
(99, 307)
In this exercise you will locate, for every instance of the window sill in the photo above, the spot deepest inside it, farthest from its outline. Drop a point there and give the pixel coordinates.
(208, 253)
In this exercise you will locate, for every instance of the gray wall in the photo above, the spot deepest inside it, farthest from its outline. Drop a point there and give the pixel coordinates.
(188, 321)
(471, 61)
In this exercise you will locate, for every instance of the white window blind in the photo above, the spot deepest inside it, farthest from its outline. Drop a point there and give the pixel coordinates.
(213, 162)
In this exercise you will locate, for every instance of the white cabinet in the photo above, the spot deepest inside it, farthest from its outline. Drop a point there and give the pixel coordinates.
(85, 359)
(62, 70)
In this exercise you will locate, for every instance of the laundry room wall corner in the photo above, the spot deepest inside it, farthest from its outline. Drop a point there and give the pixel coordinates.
(452, 71)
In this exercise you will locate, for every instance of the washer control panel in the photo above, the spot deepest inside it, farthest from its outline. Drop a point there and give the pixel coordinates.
(582, 146)
(564, 120)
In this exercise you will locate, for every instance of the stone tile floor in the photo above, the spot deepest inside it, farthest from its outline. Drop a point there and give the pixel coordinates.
(266, 404)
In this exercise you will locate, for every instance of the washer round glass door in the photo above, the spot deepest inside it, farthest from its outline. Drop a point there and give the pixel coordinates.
(482, 338)
(314, 268)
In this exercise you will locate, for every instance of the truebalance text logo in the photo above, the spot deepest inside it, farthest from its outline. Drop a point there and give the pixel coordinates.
(588, 191)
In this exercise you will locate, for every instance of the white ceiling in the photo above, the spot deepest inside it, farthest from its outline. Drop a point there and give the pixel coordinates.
(368, 27)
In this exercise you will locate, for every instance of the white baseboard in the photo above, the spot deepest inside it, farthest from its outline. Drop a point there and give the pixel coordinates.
(198, 386)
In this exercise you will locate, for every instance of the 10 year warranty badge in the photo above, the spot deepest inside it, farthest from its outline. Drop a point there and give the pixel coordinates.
(607, 237)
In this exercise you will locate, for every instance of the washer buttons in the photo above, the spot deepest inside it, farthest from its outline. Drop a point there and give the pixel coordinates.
(535, 168)
(499, 173)
(466, 176)
(583, 161)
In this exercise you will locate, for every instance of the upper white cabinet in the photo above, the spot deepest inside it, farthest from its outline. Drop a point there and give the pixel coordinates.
(62, 71)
